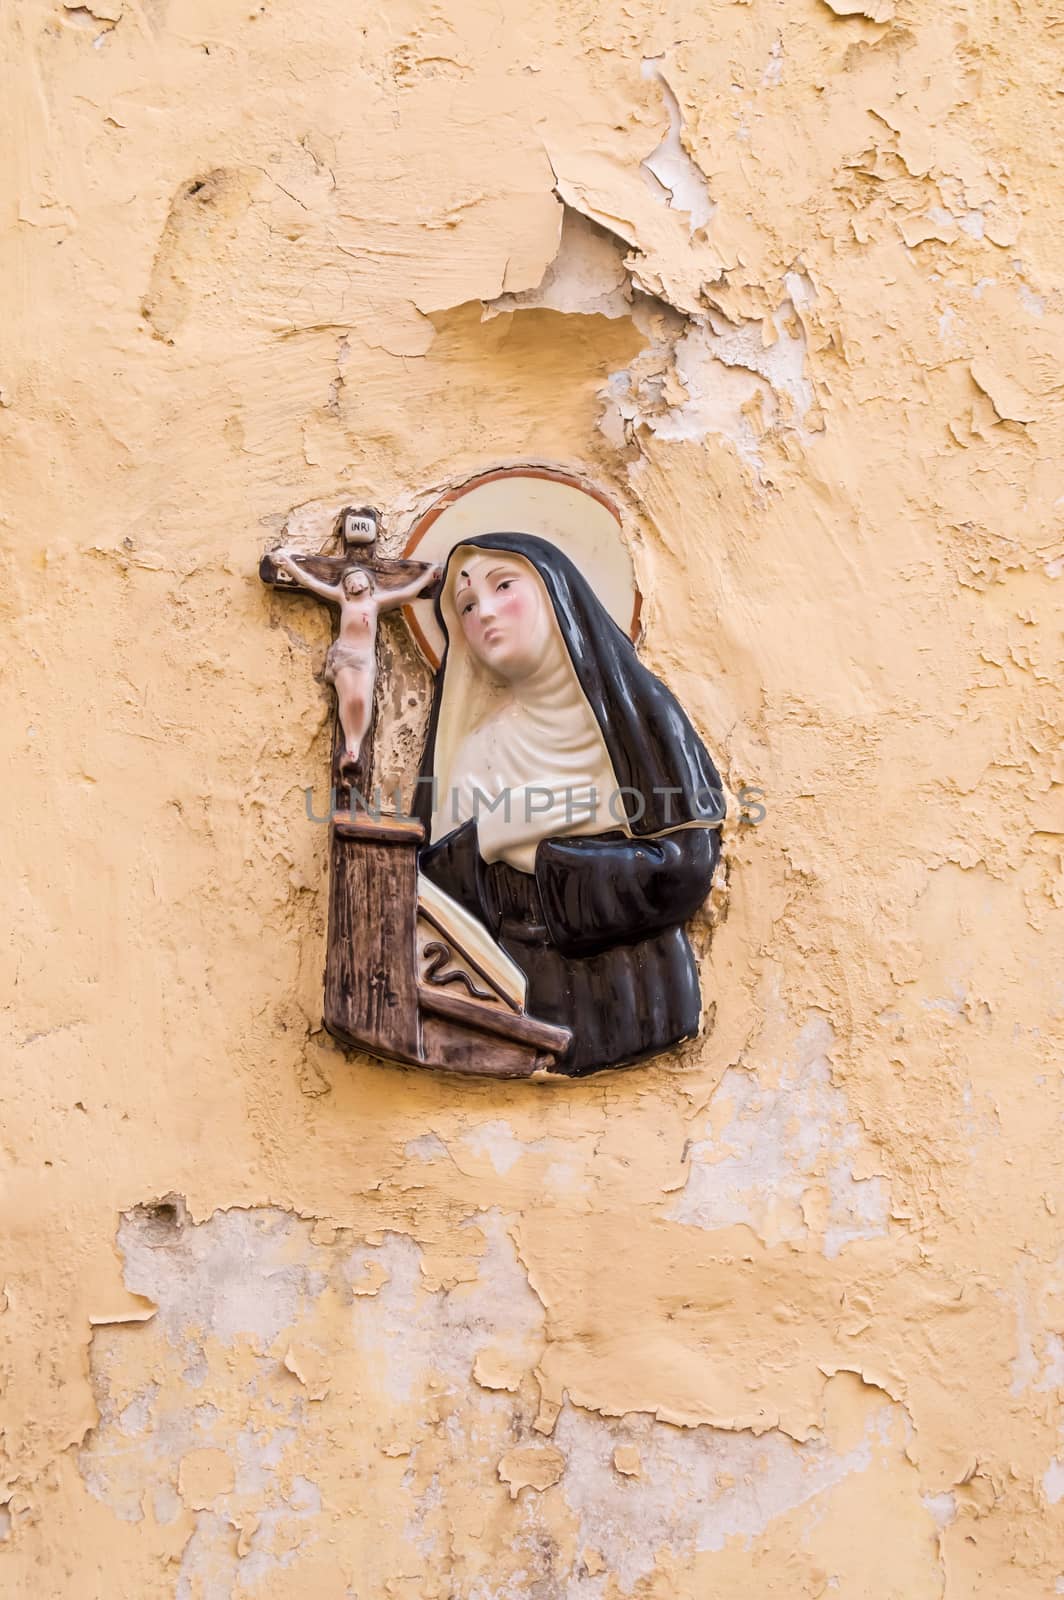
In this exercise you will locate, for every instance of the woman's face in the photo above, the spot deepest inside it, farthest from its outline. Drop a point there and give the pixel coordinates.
(503, 612)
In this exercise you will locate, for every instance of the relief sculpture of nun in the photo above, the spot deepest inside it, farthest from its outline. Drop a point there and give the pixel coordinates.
(569, 803)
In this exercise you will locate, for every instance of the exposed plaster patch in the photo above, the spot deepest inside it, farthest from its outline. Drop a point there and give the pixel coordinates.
(211, 1277)
(1053, 1481)
(772, 76)
(1034, 303)
(700, 373)
(736, 384)
(1025, 1365)
(588, 275)
(837, 629)
(407, 1341)
(943, 1507)
(1043, 1372)
(783, 1162)
(496, 1141)
(697, 1488)
(447, 1377)
(426, 1147)
(708, 376)
(1053, 1376)
(670, 163)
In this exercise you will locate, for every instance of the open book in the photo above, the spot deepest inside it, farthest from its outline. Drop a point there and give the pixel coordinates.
(471, 941)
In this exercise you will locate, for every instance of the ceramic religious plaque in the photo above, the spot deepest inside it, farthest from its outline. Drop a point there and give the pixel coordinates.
(524, 914)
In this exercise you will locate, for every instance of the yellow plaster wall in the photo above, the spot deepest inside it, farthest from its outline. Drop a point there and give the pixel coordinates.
(783, 1315)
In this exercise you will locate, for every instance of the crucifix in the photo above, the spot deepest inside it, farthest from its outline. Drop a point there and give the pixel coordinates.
(484, 933)
(397, 949)
(363, 585)
(409, 976)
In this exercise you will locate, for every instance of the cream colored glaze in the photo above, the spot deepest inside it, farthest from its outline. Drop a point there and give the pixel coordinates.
(810, 1271)
(563, 513)
(518, 749)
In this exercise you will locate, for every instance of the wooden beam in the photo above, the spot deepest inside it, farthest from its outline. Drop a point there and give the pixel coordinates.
(371, 955)
(522, 1028)
(383, 830)
(391, 572)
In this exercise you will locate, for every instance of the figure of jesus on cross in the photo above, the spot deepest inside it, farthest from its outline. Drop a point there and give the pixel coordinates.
(351, 664)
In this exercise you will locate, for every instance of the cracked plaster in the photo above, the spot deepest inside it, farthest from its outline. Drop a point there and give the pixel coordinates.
(786, 281)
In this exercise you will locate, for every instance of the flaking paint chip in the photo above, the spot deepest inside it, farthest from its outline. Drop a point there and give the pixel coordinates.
(246, 1527)
(531, 1466)
(1011, 402)
(495, 1369)
(138, 1308)
(874, 10)
(627, 1460)
(312, 1369)
(547, 1416)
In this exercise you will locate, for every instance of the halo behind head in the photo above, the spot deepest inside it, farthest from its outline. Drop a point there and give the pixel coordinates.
(557, 507)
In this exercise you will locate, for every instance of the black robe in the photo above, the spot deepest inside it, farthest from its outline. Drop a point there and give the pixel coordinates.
(598, 928)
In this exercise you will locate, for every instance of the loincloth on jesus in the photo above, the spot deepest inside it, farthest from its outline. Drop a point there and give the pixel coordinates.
(343, 656)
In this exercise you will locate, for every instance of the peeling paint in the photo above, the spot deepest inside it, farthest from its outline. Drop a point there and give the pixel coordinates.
(783, 1313)
(671, 163)
(228, 1456)
(783, 1162)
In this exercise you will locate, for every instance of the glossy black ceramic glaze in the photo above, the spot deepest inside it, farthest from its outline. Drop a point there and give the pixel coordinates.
(598, 929)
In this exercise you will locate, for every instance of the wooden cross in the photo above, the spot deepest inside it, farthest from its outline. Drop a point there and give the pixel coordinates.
(386, 955)
(356, 531)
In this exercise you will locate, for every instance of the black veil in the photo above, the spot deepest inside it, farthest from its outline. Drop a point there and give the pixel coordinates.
(665, 773)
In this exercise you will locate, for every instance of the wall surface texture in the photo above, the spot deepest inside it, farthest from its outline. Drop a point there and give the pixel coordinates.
(783, 1314)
